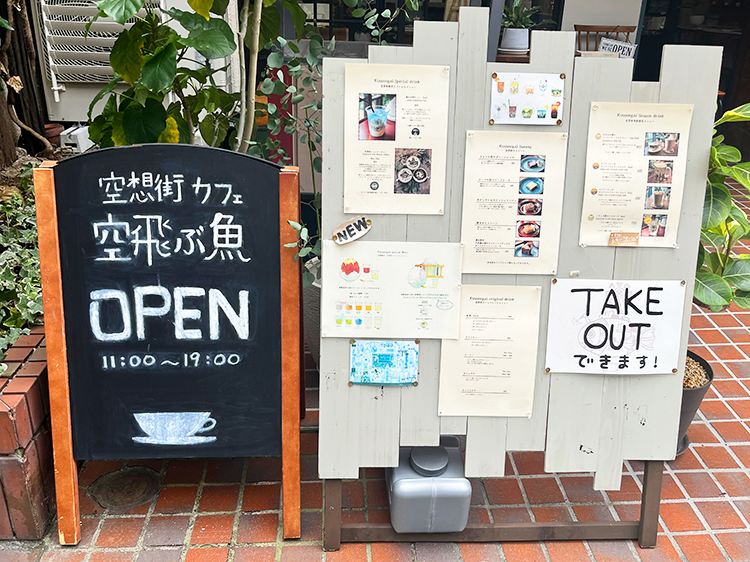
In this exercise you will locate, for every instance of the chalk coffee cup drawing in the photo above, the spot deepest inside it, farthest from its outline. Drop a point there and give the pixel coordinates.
(175, 428)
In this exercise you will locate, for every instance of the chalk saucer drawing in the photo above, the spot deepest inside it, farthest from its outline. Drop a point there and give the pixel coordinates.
(444, 305)
(175, 428)
(350, 270)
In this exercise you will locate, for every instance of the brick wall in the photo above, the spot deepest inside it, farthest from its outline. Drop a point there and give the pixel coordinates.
(27, 489)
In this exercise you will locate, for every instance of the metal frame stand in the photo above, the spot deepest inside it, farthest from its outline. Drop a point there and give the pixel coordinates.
(644, 529)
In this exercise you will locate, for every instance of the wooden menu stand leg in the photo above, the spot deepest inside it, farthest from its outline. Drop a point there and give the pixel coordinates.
(332, 514)
(649, 522)
(66, 470)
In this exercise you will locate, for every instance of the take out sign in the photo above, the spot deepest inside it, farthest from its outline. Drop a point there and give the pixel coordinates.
(615, 327)
(352, 229)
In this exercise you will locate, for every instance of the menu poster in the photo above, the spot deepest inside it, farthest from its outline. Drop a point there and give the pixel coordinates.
(395, 139)
(615, 327)
(391, 290)
(382, 362)
(635, 174)
(490, 369)
(525, 98)
(513, 193)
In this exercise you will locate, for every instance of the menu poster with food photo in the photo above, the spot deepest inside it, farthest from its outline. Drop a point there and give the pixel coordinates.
(391, 290)
(613, 327)
(490, 369)
(395, 139)
(525, 98)
(635, 174)
(513, 193)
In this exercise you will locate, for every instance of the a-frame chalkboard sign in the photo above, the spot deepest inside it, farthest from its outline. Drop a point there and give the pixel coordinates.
(172, 311)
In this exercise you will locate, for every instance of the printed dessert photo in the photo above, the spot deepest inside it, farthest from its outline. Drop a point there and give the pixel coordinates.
(531, 186)
(657, 197)
(530, 207)
(661, 144)
(528, 229)
(532, 163)
(377, 117)
(526, 249)
(660, 171)
(653, 226)
(413, 168)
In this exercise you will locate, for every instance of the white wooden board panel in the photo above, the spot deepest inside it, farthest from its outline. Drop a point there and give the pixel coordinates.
(644, 92)
(614, 412)
(378, 414)
(485, 447)
(420, 424)
(453, 425)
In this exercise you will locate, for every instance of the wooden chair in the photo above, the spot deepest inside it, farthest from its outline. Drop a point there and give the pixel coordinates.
(599, 31)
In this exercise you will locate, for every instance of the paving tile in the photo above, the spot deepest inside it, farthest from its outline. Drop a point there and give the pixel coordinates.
(727, 352)
(510, 515)
(687, 460)
(178, 499)
(542, 490)
(523, 552)
(737, 545)
(352, 494)
(593, 512)
(737, 335)
(479, 552)
(154, 464)
(166, 531)
(699, 548)
(551, 514)
(219, 498)
(503, 491)
(720, 372)
(529, 462)
(716, 457)
(261, 497)
(8, 555)
(94, 469)
(611, 551)
(87, 505)
(732, 431)
(669, 489)
(212, 529)
(712, 336)
(109, 556)
(255, 528)
(380, 515)
(224, 470)
(720, 515)
(308, 468)
(207, 555)
(353, 552)
(736, 484)
(628, 491)
(477, 492)
(121, 532)
(308, 443)
(375, 473)
(716, 410)
(478, 515)
(725, 320)
(744, 507)
(700, 321)
(265, 469)
(377, 493)
(185, 471)
(437, 552)
(353, 516)
(301, 553)
(391, 552)
(312, 495)
(312, 526)
(581, 489)
(255, 554)
(88, 530)
(740, 369)
(699, 485)
(664, 551)
(741, 408)
(730, 389)
(680, 517)
(743, 453)
(160, 555)
(63, 556)
(700, 433)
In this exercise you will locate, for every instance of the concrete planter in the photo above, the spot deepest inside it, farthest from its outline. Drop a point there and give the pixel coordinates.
(515, 38)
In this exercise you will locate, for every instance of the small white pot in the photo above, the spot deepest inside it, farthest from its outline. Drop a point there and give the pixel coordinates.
(516, 38)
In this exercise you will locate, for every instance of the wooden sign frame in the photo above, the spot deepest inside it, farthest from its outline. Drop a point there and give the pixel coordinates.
(66, 470)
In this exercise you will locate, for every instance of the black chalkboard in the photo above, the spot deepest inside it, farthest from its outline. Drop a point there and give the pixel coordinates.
(171, 294)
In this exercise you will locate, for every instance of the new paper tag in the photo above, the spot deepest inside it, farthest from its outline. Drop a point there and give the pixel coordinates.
(352, 229)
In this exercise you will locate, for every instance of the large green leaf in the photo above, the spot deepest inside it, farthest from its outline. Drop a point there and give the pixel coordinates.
(160, 69)
(701, 256)
(270, 26)
(103, 92)
(713, 239)
(299, 17)
(741, 113)
(219, 7)
(5, 25)
(126, 58)
(716, 205)
(120, 10)
(741, 172)
(213, 38)
(202, 7)
(144, 124)
(729, 153)
(742, 299)
(711, 289)
(738, 274)
(214, 129)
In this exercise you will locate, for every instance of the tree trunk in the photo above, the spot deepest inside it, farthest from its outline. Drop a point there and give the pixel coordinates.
(7, 130)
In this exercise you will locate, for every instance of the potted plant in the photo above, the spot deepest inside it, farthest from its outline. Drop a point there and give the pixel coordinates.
(722, 277)
(516, 25)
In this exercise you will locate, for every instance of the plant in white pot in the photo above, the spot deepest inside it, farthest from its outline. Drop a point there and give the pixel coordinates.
(516, 25)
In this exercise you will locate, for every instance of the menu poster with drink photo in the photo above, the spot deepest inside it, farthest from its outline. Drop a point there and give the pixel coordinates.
(526, 98)
(513, 193)
(490, 369)
(395, 139)
(391, 290)
(635, 174)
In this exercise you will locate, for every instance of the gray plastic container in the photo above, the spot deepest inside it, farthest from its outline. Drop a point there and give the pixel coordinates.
(427, 491)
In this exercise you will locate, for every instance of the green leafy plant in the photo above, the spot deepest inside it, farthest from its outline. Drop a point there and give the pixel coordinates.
(20, 279)
(518, 15)
(722, 276)
(380, 24)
